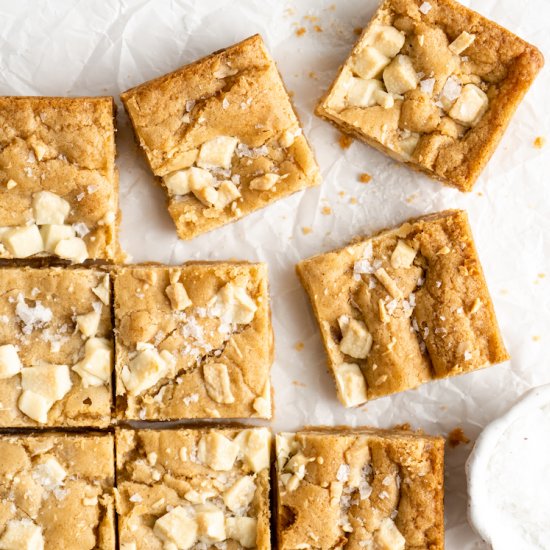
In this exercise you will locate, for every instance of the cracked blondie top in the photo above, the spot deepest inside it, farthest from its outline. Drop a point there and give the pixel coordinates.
(404, 307)
(193, 341)
(434, 85)
(58, 181)
(362, 489)
(56, 350)
(56, 491)
(222, 137)
(201, 489)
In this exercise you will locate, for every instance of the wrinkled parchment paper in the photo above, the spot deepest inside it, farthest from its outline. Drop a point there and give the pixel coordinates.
(70, 47)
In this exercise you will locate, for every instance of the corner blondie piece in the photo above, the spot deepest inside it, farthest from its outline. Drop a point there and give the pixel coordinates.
(56, 491)
(404, 307)
(359, 489)
(193, 489)
(58, 181)
(193, 341)
(434, 85)
(223, 136)
(56, 352)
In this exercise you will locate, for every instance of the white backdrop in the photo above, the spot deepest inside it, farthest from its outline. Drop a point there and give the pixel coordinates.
(69, 47)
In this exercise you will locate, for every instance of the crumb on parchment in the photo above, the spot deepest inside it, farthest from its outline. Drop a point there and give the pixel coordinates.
(345, 141)
(457, 436)
(365, 178)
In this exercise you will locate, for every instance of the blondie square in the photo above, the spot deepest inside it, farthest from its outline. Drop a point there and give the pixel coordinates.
(222, 137)
(56, 491)
(359, 489)
(56, 352)
(404, 307)
(199, 488)
(58, 181)
(193, 341)
(434, 85)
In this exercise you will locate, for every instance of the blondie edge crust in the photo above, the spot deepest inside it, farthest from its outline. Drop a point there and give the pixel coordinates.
(359, 489)
(433, 84)
(195, 488)
(193, 341)
(222, 136)
(58, 180)
(404, 307)
(56, 491)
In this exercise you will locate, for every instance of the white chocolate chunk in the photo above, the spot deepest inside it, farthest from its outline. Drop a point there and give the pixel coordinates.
(289, 136)
(178, 296)
(400, 75)
(262, 404)
(51, 381)
(49, 208)
(369, 62)
(408, 145)
(470, 106)
(10, 364)
(177, 527)
(255, 448)
(242, 529)
(383, 99)
(402, 256)
(201, 497)
(217, 152)
(202, 186)
(10, 184)
(177, 183)
(232, 304)
(351, 384)
(227, 193)
(389, 284)
(146, 369)
(35, 406)
(88, 323)
(217, 451)
(210, 523)
(22, 534)
(386, 39)
(461, 42)
(265, 182)
(53, 233)
(96, 366)
(357, 340)
(102, 290)
(217, 383)
(22, 242)
(388, 536)
(239, 496)
(73, 249)
(50, 474)
(361, 92)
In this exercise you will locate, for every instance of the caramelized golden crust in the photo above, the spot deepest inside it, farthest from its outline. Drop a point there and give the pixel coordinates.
(417, 294)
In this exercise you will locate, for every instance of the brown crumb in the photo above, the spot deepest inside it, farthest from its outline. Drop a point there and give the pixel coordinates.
(411, 198)
(457, 436)
(406, 427)
(301, 31)
(345, 141)
(317, 28)
(365, 178)
(313, 75)
(306, 230)
(539, 142)
(358, 30)
(298, 383)
(341, 194)
(299, 346)
(311, 18)
(479, 194)
(326, 210)
(536, 338)
(353, 200)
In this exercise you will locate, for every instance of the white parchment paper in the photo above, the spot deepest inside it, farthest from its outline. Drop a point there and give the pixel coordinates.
(70, 47)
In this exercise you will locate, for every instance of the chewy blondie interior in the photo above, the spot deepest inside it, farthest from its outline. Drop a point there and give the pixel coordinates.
(432, 84)
(201, 489)
(404, 307)
(56, 350)
(56, 491)
(193, 341)
(58, 181)
(222, 136)
(359, 489)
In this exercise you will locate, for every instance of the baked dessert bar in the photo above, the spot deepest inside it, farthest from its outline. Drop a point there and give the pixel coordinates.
(434, 85)
(362, 488)
(56, 352)
(56, 491)
(404, 307)
(193, 341)
(58, 181)
(203, 488)
(222, 137)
